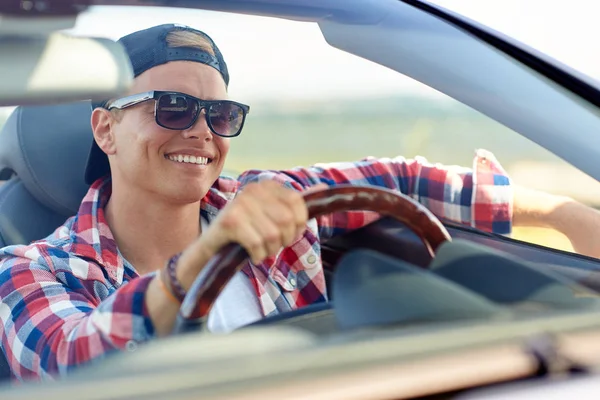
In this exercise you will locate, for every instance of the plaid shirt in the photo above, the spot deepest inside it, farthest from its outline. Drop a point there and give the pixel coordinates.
(71, 298)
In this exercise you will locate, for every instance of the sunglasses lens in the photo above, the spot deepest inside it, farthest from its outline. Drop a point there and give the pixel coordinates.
(226, 118)
(176, 111)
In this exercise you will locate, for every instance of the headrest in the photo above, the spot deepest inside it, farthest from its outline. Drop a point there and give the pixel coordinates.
(47, 148)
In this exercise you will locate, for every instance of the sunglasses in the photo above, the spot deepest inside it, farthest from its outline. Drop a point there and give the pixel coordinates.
(180, 111)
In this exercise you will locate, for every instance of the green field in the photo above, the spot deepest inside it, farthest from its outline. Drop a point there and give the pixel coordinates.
(278, 136)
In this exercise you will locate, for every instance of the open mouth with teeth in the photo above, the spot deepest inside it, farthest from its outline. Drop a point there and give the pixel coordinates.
(184, 158)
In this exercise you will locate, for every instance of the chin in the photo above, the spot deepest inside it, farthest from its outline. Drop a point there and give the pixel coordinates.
(186, 192)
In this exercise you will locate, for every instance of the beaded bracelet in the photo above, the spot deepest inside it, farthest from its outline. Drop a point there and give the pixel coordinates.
(174, 283)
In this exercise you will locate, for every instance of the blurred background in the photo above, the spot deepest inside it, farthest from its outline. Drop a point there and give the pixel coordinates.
(312, 103)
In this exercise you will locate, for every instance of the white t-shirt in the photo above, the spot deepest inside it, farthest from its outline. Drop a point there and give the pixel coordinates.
(236, 306)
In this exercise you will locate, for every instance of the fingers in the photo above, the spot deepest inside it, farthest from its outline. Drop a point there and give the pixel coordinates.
(293, 219)
(254, 241)
(264, 218)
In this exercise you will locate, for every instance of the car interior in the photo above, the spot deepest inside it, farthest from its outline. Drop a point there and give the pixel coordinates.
(381, 275)
(383, 282)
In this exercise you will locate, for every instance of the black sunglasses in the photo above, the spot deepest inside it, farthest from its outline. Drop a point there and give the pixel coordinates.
(180, 111)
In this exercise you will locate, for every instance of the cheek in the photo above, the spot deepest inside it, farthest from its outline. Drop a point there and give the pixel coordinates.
(223, 145)
(140, 137)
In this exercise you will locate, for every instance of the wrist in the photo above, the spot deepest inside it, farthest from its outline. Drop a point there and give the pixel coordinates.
(192, 261)
(166, 287)
(169, 274)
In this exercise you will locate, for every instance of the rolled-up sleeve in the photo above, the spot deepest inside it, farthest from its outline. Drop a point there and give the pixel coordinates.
(52, 320)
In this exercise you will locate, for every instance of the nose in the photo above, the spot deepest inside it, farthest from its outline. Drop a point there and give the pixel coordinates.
(199, 130)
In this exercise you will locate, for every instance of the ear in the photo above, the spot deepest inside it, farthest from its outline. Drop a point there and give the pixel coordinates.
(103, 122)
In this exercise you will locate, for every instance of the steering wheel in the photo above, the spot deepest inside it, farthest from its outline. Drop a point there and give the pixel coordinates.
(231, 258)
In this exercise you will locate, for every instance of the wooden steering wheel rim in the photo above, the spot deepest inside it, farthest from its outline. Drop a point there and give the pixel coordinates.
(230, 259)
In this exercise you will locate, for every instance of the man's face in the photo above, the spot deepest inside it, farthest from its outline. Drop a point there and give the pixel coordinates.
(143, 149)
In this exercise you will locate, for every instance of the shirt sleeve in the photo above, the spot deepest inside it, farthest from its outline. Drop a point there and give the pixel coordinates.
(52, 321)
(480, 196)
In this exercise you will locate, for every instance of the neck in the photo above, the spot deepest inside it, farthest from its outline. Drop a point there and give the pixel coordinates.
(149, 230)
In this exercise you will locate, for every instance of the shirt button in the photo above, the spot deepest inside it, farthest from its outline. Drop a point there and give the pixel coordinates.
(312, 259)
(293, 282)
(131, 345)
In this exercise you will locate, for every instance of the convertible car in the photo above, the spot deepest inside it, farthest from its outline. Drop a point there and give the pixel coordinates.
(420, 308)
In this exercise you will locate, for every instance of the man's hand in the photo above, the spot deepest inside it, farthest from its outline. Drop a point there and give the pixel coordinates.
(263, 218)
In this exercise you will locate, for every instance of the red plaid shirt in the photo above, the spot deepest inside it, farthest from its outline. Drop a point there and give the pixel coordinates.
(71, 298)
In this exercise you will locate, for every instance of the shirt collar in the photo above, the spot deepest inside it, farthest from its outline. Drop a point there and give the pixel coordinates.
(93, 239)
(221, 193)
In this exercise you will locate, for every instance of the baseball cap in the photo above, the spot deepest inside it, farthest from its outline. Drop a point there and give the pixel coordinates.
(147, 49)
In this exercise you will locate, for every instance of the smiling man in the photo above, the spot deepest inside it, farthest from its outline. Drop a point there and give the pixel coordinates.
(157, 210)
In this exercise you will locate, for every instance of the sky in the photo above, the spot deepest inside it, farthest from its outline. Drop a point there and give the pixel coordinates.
(262, 53)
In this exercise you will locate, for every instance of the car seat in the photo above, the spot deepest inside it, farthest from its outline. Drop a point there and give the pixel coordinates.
(43, 154)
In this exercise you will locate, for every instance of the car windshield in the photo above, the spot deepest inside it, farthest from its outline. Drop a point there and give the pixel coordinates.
(564, 33)
(313, 103)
